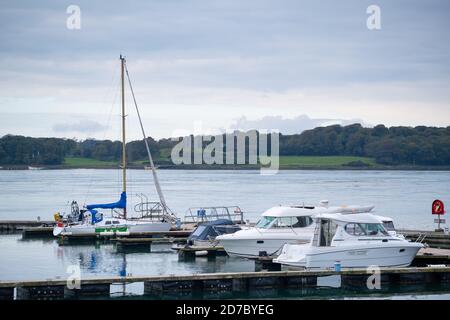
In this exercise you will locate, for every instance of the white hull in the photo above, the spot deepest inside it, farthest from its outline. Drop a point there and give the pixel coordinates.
(249, 243)
(399, 254)
(122, 229)
(252, 249)
(35, 168)
(269, 238)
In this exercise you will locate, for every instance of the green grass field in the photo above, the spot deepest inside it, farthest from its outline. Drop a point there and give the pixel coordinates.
(285, 161)
(322, 161)
(86, 162)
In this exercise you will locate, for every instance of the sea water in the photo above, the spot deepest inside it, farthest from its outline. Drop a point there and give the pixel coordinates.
(405, 196)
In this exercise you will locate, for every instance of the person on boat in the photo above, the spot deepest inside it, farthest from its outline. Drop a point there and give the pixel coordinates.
(81, 215)
(57, 216)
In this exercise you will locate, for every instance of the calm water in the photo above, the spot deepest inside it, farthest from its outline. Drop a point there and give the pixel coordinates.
(404, 195)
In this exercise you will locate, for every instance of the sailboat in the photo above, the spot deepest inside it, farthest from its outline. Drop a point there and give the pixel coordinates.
(90, 222)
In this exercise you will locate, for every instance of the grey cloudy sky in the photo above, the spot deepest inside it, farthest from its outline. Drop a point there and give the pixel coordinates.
(222, 63)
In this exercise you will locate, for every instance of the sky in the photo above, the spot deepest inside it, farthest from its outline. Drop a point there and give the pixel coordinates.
(210, 66)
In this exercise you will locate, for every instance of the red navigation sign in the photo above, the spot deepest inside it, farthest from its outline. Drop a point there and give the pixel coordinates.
(437, 207)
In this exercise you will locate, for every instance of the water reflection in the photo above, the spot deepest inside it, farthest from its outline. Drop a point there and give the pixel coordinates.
(46, 258)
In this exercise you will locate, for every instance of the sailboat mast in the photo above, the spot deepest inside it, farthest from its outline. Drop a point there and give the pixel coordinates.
(155, 176)
(124, 157)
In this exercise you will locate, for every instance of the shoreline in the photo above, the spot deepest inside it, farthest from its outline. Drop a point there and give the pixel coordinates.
(235, 167)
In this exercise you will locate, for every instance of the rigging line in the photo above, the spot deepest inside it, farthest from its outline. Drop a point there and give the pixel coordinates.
(155, 176)
(110, 87)
(104, 133)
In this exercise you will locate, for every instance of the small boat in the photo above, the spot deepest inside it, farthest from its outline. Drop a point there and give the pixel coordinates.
(90, 222)
(204, 236)
(352, 241)
(278, 226)
(34, 168)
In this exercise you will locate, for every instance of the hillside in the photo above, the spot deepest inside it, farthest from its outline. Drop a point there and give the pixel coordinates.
(331, 146)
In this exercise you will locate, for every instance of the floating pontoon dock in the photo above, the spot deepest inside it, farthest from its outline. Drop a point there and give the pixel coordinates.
(45, 228)
(48, 231)
(34, 227)
(432, 238)
(222, 282)
(139, 241)
(189, 251)
(19, 225)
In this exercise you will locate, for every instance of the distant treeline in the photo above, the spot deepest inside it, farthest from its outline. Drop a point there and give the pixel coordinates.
(388, 146)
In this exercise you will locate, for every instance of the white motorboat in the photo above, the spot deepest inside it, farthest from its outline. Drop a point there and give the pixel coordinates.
(278, 226)
(353, 241)
(90, 222)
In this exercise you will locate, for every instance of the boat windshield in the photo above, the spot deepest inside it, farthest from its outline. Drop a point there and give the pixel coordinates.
(265, 222)
(365, 229)
(389, 225)
(197, 232)
(284, 222)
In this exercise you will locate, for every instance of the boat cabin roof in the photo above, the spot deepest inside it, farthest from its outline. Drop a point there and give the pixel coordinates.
(383, 218)
(350, 218)
(285, 211)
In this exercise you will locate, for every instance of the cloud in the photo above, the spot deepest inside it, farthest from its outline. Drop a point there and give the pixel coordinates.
(217, 61)
(85, 127)
(290, 126)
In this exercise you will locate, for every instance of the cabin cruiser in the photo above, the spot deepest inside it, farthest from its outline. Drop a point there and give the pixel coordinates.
(278, 226)
(353, 241)
(204, 236)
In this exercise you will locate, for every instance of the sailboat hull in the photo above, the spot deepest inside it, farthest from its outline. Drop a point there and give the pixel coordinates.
(110, 231)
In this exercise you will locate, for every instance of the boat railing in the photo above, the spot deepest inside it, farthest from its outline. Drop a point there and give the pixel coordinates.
(207, 214)
(152, 209)
(421, 237)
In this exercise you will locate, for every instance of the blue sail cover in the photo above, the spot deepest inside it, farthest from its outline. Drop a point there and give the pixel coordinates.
(121, 204)
(94, 217)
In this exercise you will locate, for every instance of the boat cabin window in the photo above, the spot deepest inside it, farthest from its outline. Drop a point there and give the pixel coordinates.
(265, 222)
(107, 222)
(284, 222)
(301, 222)
(389, 225)
(292, 222)
(354, 229)
(116, 222)
(365, 229)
